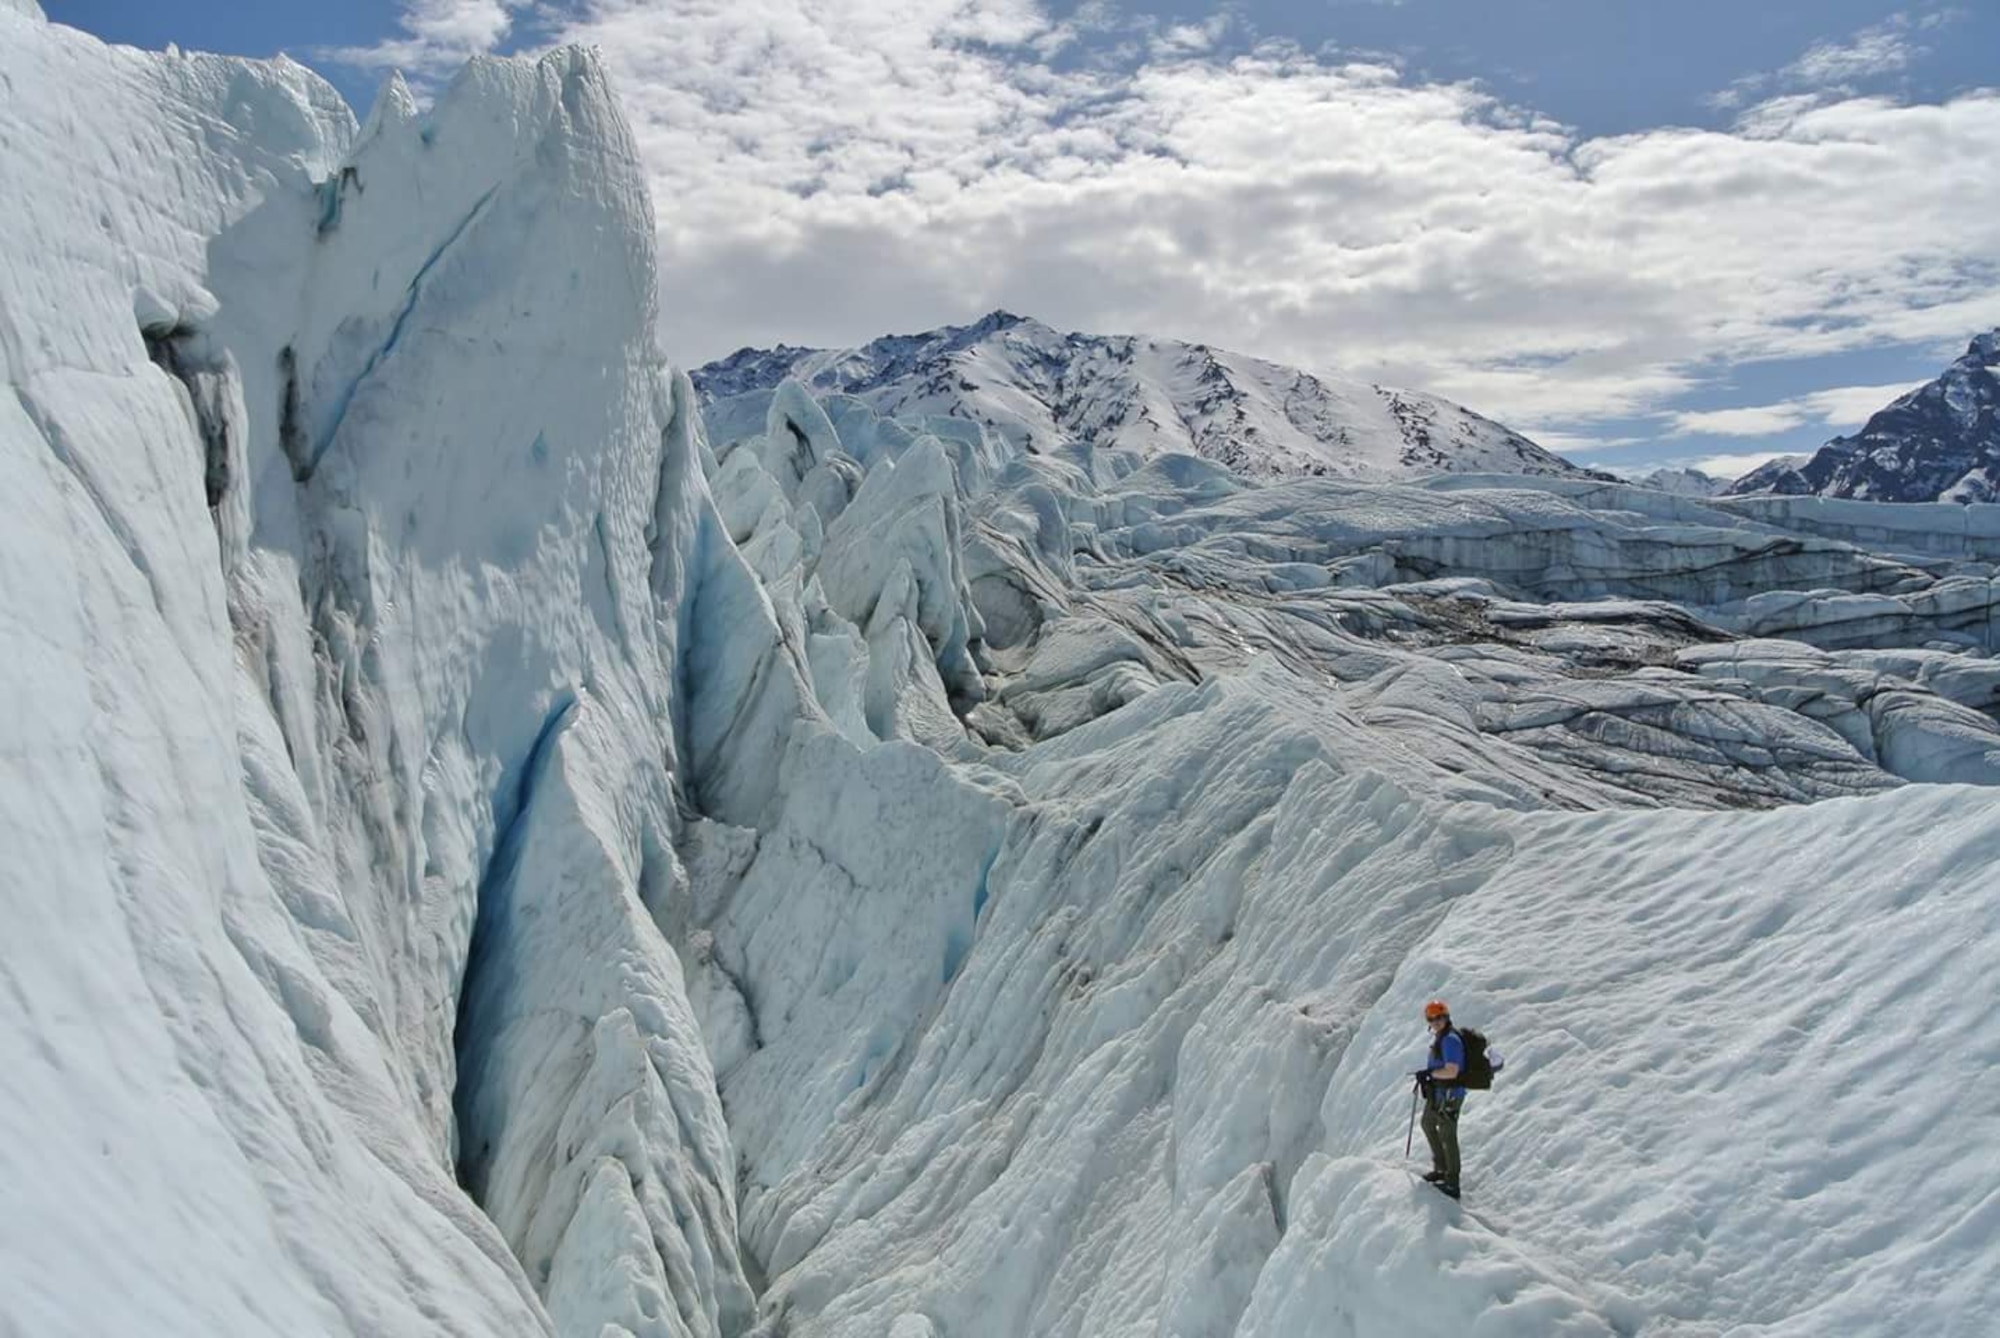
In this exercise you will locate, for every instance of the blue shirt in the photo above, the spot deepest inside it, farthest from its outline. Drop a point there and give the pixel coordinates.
(1450, 1050)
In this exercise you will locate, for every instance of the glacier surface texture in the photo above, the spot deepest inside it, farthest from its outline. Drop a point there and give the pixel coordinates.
(507, 838)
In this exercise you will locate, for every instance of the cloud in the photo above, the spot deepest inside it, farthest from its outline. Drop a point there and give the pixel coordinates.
(1851, 406)
(1840, 407)
(1730, 466)
(1832, 67)
(1880, 50)
(827, 170)
(437, 37)
(1576, 446)
(1764, 421)
(1186, 39)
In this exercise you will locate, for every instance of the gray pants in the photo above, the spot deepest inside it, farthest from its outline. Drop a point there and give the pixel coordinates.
(1441, 1132)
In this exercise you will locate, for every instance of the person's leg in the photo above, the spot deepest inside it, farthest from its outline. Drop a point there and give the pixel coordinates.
(1432, 1136)
(1447, 1138)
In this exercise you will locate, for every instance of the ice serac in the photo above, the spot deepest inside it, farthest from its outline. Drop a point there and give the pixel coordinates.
(491, 550)
(591, 1129)
(347, 589)
(187, 1081)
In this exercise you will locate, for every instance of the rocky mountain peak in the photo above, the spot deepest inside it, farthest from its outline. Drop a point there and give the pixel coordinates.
(1939, 442)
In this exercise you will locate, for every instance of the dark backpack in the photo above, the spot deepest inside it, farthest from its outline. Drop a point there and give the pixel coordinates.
(1476, 1074)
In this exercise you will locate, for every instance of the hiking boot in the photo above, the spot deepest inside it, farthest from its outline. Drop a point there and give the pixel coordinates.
(1448, 1188)
(1433, 1177)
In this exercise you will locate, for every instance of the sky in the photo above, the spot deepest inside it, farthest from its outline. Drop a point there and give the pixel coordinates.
(1704, 232)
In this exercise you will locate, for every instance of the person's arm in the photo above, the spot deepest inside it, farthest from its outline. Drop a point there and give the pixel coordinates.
(1451, 1057)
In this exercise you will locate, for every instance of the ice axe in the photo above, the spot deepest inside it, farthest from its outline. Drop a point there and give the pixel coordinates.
(1416, 1095)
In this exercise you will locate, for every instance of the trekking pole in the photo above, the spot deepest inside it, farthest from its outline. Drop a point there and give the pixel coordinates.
(1412, 1132)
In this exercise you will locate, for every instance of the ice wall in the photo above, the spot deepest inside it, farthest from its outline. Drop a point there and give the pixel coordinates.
(347, 589)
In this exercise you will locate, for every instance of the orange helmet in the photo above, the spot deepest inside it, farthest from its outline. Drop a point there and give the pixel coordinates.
(1436, 1009)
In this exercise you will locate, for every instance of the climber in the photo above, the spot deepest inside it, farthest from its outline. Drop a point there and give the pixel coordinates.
(1443, 1096)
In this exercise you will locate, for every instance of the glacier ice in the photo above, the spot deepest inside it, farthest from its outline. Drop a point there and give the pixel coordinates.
(505, 843)
(286, 759)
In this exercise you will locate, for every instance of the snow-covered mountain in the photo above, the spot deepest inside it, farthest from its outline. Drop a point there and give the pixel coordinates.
(1682, 481)
(1044, 391)
(1940, 442)
(492, 851)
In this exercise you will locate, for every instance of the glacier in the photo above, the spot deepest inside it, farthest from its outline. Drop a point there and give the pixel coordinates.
(502, 842)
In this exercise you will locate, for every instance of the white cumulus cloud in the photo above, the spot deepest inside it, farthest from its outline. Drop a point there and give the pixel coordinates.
(1759, 421)
(437, 36)
(827, 170)
(1840, 407)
